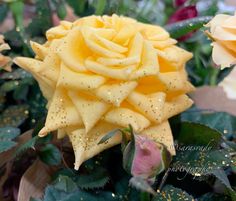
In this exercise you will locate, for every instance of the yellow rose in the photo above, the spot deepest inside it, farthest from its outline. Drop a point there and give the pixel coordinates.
(223, 32)
(102, 73)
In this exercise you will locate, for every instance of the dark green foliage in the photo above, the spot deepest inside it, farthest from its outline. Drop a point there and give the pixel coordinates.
(192, 134)
(42, 21)
(7, 134)
(14, 115)
(179, 29)
(64, 183)
(223, 122)
(28, 145)
(93, 179)
(50, 154)
(171, 193)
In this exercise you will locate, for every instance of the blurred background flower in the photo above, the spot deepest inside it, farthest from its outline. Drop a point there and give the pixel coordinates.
(5, 61)
(178, 3)
(184, 13)
(229, 85)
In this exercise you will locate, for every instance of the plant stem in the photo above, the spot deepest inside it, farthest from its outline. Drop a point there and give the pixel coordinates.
(17, 9)
(144, 196)
(214, 75)
(163, 180)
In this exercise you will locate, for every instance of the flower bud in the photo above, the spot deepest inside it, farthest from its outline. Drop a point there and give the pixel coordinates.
(143, 157)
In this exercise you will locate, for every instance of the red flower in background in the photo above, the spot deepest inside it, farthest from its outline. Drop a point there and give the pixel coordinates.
(184, 13)
(179, 2)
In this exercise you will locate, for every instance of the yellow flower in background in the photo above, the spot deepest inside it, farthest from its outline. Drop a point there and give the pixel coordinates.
(102, 73)
(5, 61)
(223, 32)
(229, 85)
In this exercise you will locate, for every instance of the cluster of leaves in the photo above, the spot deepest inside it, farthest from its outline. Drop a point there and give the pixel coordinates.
(208, 174)
(203, 169)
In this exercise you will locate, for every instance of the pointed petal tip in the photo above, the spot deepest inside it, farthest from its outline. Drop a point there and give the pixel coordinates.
(43, 132)
(77, 165)
(18, 60)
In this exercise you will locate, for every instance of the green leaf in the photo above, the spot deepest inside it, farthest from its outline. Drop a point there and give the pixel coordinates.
(109, 135)
(125, 191)
(198, 162)
(100, 7)
(9, 86)
(9, 133)
(122, 186)
(14, 116)
(179, 29)
(17, 9)
(71, 173)
(16, 85)
(21, 92)
(15, 74)
(6, 145)
(28, 145)
(171, 193)
(192, 134)
(231, 193)
(129, 152)
(65, 183)
(50, 155)
(79, 6)
(220, 174)
(221, 121)
(100, 196)
(95, 179)
(61, 11)
(43, 19)
(6, 135)
(53, 194)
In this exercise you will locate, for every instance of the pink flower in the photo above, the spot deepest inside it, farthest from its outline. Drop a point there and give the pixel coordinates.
(184, 13)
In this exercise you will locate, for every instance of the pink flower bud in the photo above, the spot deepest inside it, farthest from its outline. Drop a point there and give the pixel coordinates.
(147, 158)
(143, 157)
